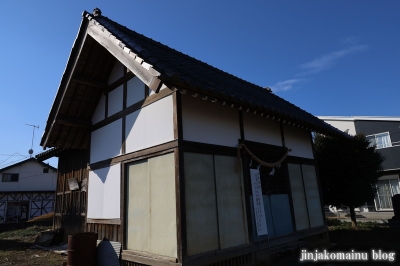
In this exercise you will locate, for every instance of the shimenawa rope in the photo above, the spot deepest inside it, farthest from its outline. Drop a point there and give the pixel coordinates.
(258, 160)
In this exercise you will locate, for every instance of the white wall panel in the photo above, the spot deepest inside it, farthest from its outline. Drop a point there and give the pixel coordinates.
(231, 209)
(260, 129)
(201, 211)
(115, 101)
(312, 195)
(152, 206)
(207, 122)
(138, 217)
(298, 196)
(299, 141)
(163, 205)
(99, 113)
(135, 91)
(150, 126)
(104, 193)
(106, 142)
(116, 73)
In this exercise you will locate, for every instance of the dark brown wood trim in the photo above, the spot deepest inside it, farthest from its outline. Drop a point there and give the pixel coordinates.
(123, 205)
(282, 134)
(89, 82)
(121, 81)
(137, 106)
(105, 106)
(212, 257)
(148, 77)
(148, 258)
(300, 160)
(65, 170)
(241, 125)
(216, 201)
(55, 197)
(191, 146)
(124, 100)
(103, 221)
(178, 203)
(318, 178)
(178, 126)
(159, 149)
(288, 187)
(63, 120)
(247, 192)
(175, 113)
(180, 181)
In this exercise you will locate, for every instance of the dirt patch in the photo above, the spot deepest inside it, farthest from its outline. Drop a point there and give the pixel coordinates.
(15, 247)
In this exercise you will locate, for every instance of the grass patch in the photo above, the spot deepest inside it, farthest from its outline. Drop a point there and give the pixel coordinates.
(19, 234)
(335, 224)
(367, 236)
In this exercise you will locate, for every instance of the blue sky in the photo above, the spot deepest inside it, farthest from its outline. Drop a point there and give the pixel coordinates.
(327, 57)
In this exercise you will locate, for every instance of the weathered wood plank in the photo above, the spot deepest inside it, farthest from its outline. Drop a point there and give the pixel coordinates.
(127, 59)
(103, 221)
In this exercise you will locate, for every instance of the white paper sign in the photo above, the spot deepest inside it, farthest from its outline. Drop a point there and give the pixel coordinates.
(258, 203)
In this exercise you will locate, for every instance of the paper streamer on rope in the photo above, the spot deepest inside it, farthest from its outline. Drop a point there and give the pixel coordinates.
(258, 202)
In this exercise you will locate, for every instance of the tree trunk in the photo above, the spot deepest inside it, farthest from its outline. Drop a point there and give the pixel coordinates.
(353, 217)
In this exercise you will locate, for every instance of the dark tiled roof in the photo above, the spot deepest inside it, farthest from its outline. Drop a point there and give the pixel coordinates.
(184, 71)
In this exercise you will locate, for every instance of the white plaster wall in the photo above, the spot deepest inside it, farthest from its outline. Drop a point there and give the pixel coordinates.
(99, 113)
(299, 141)
(150, 126)
(135, 91)
(106, 142)
(116, 73)
(260, 129)
(115, 101)
(31, 178)
(104, 192)
(207, 122)
(343, 126)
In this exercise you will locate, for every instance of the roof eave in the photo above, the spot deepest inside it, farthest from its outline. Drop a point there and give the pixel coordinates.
(66, 78)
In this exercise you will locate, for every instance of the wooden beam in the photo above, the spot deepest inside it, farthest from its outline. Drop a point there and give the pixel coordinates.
(137, 155)
(148, 258)
(129, 75)
(90, 82)
(102, 36)
(103, 221)
(63, 120)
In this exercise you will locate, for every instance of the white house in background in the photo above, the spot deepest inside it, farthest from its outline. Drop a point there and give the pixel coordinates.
(384, 132)
(26, 190)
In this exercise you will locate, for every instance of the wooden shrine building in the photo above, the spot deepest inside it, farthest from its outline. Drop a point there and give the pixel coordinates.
(155, 133)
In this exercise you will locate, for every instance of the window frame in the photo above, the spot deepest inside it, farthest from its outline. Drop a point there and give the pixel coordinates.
(375, 138)
(10, 177)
